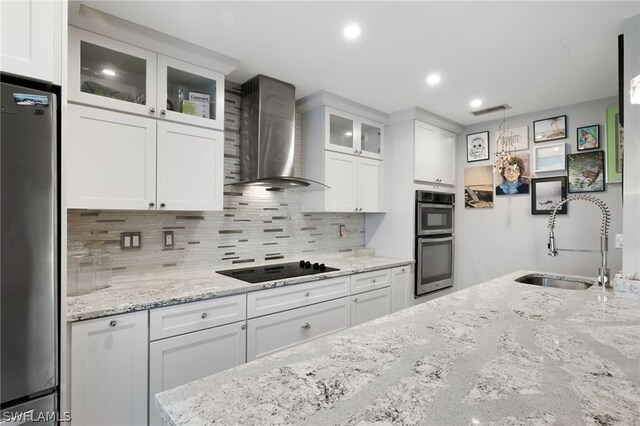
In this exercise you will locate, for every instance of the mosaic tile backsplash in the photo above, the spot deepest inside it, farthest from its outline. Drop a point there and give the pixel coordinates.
(255, 226)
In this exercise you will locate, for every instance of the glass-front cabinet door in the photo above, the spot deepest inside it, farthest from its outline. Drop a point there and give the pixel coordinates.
(340, 131)
(371, 137)
(190, 94)
(107, 73)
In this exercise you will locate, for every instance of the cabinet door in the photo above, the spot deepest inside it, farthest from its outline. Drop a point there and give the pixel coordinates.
(370, 186)
(341, 171)
(28, 33)
(272, 333)
(401, 288)
(445, 166)
(341, 131)
(182, 359)
(109, 370)
(370, 305)
(190, 94)
(110, 74)
(190, 167)
(111, 160)
(371, 138)
(426, 152)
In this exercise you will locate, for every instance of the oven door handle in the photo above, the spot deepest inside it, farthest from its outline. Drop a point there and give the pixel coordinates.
(440, 206)
(436, 240)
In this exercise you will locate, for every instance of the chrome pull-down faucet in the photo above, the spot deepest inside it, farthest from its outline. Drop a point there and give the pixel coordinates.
(603, 272)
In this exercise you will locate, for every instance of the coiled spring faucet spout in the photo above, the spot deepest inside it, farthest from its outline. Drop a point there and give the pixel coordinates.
(603, 272)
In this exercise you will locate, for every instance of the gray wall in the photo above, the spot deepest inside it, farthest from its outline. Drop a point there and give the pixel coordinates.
(507, 237)
(631, 148)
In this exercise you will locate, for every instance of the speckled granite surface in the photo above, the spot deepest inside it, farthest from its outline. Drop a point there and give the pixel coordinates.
(152, 291)
(499, 353)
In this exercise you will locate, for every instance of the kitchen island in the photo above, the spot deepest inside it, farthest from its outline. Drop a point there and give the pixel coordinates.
(500, 352)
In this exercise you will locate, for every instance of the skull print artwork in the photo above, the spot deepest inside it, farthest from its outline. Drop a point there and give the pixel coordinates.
(478, 146)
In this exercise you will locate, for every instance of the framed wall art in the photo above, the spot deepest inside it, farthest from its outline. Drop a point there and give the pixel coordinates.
(588, 137)
(478, 187)
(513, 178)
(514, 139)
(546, 194)
(549, 157)
(550, 129)
(615, 145)
(477, 147)
(586, 172)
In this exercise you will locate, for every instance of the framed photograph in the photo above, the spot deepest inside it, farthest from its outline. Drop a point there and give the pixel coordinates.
(546, 194)
(550, 129)
(514, 139)
(478, 187)
(586, 172)
(549, 158)
(513, 178)
(589, 137)
(477, 147)
(615, 144)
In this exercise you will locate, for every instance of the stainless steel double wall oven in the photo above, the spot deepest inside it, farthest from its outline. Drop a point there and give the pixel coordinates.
(434, 241)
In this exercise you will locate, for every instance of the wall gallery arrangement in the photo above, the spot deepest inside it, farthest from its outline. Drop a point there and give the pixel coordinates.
(511, 173)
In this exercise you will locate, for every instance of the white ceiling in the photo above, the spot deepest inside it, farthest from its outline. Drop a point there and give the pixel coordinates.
(531, 55)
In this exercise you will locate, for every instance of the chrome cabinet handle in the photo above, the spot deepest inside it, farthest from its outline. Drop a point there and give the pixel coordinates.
(163, 112)
(152, 110)
(373, 281)
(355, 210)
(152, 205)
(355, 300)
(305, 326)
(307, 294)
(163, 205)
(402, 270)
(243, 327)
(204, 315)
(113, 323)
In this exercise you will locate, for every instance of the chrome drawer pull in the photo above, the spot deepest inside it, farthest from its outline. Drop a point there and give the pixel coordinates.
(204, 315)
(307, 294)
(113, 323)
(373, 281)
(305, 326)
(243, 327)
(355, 300)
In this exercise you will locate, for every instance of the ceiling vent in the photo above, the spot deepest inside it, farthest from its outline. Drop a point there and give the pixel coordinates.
(491, 109)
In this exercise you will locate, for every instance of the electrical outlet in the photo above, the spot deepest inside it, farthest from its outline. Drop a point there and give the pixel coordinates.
(130, 240)
(167, 239)
(619, 241)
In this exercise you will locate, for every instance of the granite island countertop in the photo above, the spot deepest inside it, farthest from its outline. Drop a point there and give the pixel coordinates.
(497, 353)
(164, 289)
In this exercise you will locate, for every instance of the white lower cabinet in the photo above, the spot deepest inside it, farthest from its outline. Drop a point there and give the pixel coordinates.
(370, 305)
(272, 333)
(401, 288)
(109, 370)
(179, 360)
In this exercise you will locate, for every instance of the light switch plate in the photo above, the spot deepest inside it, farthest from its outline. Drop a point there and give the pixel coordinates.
(167, 239)
(130, 240)
(619, 241)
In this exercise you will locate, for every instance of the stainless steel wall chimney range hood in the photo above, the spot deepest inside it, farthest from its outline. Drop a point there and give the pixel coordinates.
(267, 142)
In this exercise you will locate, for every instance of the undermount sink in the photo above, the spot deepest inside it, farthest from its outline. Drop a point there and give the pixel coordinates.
(549, 281)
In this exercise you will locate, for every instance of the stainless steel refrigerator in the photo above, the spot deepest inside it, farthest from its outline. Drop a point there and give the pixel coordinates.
(29, 251)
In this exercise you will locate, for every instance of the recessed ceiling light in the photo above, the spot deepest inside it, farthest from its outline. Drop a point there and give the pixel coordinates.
(433, 79)
(352, 31)
(109, 72)
(476, 103)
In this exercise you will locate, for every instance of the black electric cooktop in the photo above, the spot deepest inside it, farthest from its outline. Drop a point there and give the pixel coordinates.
(258, 274)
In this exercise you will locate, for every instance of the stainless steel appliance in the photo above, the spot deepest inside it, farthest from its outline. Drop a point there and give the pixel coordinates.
(279, 271)
(267, 129)
(434, 241)
(29, 252)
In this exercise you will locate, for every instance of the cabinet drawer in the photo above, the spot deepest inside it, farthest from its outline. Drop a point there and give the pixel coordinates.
(180, 319)
(273, 333)
(265, 302)
(370, 281)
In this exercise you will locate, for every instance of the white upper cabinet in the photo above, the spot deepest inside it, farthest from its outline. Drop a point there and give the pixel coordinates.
(31, 34)
(351, 134)
(107, 73)
(434, 154)
(110, 74)
(190, 94)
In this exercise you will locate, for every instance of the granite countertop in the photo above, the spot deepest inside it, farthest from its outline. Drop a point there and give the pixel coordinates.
(499, 353)
(156, 290)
